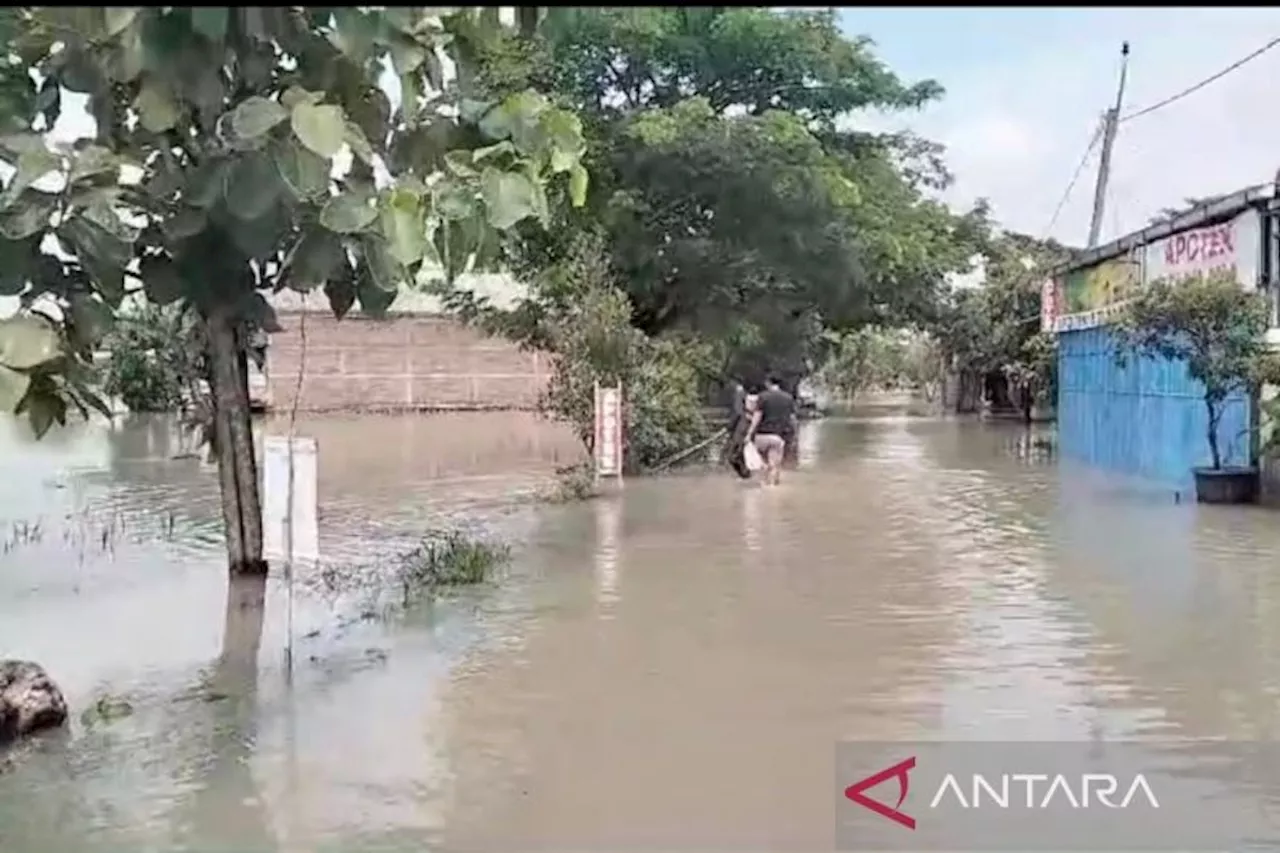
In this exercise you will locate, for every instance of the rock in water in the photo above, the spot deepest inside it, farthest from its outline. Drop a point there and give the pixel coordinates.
(29, 700)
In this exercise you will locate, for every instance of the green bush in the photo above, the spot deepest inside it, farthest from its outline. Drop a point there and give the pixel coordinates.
(153, 361)
(591, 334)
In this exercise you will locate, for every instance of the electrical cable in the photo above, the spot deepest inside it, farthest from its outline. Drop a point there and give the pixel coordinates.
(1138, 114)
(1075, 177)
(1205, 82)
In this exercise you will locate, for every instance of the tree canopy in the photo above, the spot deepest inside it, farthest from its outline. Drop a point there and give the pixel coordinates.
(738, 199)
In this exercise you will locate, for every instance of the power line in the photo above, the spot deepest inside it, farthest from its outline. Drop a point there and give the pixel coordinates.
(1205, 82)
(1075, 177)
(1145, 111)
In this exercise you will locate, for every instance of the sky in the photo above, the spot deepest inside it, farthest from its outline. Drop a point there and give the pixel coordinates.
(1026, 89)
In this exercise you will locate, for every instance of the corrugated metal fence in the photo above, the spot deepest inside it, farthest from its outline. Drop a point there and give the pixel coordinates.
(1146, 418)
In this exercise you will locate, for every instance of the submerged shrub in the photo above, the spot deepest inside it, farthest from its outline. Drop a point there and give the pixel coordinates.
(450, 558)
(594, 341)
(153, 361)
(575, 483)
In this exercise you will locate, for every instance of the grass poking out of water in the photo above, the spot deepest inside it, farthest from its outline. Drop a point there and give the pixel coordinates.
(447, 558)
(575, 483)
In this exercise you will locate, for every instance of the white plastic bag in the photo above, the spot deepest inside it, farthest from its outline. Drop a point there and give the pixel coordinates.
(752, 457)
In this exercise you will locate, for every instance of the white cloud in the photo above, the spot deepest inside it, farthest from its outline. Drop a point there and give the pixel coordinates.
(1016, 131)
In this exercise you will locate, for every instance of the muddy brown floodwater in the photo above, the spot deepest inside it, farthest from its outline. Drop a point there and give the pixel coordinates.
(667, 668)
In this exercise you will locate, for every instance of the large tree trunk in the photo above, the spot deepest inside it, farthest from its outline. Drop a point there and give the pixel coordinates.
(233, 443)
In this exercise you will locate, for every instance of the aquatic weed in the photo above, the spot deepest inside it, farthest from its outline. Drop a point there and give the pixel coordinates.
(450, 558)
(575, 483)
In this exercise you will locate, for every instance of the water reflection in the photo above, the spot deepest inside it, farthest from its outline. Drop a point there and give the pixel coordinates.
(665, 667)
(607, 558)
(225, 802)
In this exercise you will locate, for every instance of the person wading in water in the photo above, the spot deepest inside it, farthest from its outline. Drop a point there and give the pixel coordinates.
(739, 422)
(770, 424)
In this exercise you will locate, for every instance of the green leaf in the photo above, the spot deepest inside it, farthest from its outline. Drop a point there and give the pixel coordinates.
(460, 163)
(255, 117)
(161, 280)
(578, 182)
(29, 215)
(15, 266)
(374, 300)
(207, 184)
(384, 270)
(103, 255)
(119, 18)
(295, 95)
(14, 145)
(348, 213)
(359, 143)
(320, 127)
(454, 200)
(509, 197)
(260, 238)
(517, 118)
(342, 294)
(304, 172)
(158, 110)
(185, 224)
(407, 55)
(354, 33)
(13, 387)
(28, 341)
(564, 136)
(43, 411)
(403, 226)
(317, 259)
(489, 152)
(471, 110)
(91, 161)
(101, 213)
(253, 186)
(90, 320)
(210, 21)
(32, 166)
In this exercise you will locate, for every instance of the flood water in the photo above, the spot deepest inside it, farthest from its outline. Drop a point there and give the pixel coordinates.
(665, 668)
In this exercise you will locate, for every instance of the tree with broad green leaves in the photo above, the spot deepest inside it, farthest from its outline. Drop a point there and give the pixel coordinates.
(1215, 326)
(741, 202)
(211, 181)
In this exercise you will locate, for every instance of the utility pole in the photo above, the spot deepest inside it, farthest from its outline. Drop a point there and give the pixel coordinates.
(1110, 121)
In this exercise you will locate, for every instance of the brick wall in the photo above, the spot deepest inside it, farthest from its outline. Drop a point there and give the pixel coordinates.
(408, 362)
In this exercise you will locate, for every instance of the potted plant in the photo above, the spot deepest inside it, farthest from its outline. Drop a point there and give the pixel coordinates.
(1219, 330)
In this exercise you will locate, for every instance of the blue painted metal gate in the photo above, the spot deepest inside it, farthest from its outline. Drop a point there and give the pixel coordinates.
(1145, 418)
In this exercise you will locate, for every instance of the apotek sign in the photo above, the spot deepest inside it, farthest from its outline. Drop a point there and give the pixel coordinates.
(608, 431)
(1233, 245)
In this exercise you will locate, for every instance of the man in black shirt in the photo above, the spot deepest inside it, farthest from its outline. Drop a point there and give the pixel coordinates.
(772, 421)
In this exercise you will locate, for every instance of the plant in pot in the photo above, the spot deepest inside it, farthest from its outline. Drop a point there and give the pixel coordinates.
(1218, 329)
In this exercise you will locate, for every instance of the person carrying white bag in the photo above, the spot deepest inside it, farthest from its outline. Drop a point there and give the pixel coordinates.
(774, 416)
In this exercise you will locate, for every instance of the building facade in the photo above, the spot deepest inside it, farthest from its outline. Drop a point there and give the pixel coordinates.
(1147, 417)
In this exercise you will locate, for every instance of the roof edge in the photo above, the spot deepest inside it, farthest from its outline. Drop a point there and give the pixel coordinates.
(1196, 217)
